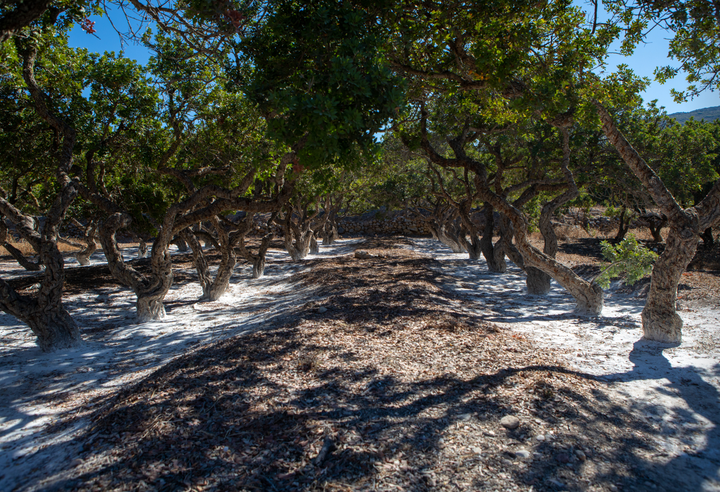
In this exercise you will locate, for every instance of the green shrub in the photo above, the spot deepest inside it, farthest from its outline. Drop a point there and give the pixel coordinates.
(628, 257)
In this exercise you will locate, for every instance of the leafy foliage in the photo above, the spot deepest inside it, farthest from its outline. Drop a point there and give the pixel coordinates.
(628, 258)
(317, 73)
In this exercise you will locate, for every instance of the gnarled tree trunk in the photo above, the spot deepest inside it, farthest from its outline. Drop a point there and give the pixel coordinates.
(45, 314)
(707, 237)
(659, 317)
(298, 231)
(150, 290)
(89, 236)
(588, 296)
(624, 225)
(494, 254)
(213, 289)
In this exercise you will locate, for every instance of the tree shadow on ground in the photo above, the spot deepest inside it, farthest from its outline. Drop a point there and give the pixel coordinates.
(688, 463)
(402, 390)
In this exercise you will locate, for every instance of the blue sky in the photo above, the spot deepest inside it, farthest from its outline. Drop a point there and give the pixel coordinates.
(643, 61)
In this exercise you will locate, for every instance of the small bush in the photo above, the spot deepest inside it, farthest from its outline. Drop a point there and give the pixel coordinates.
(629, 258)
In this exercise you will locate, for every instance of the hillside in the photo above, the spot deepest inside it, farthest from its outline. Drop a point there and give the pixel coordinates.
(707, 114)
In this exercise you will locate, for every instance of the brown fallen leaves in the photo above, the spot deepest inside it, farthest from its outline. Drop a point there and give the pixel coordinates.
(390, 387)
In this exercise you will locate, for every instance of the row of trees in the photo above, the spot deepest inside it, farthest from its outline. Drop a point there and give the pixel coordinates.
(274, 107)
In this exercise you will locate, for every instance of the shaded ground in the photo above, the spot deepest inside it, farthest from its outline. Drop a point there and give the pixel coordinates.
(384, 377)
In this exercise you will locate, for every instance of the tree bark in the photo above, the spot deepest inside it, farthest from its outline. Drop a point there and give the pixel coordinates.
(258, 260)
(51, 323)
(659, 317)
(150, 290)
(656, 224)
(494, 254)
(228, 260)
(538, 282)
(28, 265)
(708, 240)
(442, 228)
(588, 296)
(298, 236)
(199, 261)
(89, 236)
(45, 314)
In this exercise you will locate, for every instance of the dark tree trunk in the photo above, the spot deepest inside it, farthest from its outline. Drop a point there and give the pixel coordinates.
(656, 228)
(506, 245)
(45, 316)
(89, 236)
(473, 247)
(624, 225)
(21, 259)
(707, 237)
(214, 288)
(494, 254)
(330, 233)
(14, 252)
(258, 260)
(314, 248)
(537, 281)
(181, 244)
(220, 285)
(199, 261)
(258, 265)
(150, 307)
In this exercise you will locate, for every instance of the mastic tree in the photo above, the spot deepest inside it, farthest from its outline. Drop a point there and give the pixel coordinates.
(38, 65)
(696, 26)
(317, 73)
(194, 158)
(510, 62)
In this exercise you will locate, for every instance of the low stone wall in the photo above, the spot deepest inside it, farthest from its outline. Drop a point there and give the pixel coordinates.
(379, 222)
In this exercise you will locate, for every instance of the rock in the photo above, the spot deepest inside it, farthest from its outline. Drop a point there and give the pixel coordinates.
(322, 309)
(510, 422)
(363, 255)
(580, 454)
(476, 450)
(522, 453)
(556, 483)
(540, 437)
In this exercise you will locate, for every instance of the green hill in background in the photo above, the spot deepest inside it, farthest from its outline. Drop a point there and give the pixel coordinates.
(707, 114)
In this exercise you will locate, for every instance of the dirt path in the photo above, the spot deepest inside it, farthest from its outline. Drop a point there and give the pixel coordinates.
(388, 373)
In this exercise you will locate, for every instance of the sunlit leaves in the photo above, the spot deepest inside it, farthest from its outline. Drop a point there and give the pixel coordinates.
(628, 258)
